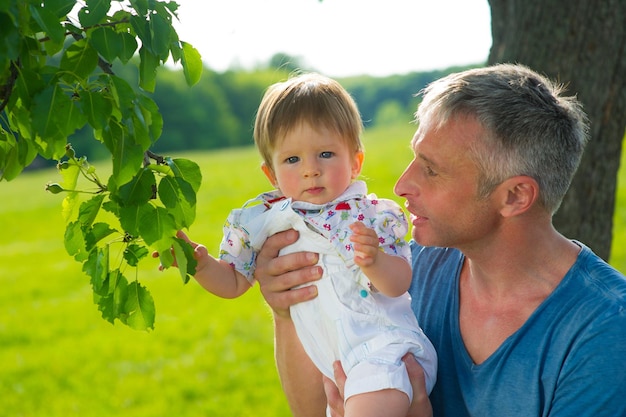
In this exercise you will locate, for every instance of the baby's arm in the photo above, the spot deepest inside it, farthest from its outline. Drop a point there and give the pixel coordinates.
(391, 275)
(216, 276)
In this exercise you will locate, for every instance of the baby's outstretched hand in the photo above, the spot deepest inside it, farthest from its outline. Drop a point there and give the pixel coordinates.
(366, 244)
(200, 252)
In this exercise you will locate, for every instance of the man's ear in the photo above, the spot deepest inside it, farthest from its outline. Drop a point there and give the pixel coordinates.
(519, 194)
(357, 164)
(269, 174)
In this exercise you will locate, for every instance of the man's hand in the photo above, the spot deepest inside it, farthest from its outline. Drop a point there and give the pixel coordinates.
(420, 407)
(278, 275)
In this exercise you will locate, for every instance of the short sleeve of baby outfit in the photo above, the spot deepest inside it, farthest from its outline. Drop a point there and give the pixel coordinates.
(391, 225)
(235, 246)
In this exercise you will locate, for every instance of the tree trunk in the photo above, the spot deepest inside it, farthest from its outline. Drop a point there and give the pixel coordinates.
(582, 44)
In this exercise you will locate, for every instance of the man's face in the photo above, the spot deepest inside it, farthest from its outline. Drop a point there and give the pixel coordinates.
(440, 187)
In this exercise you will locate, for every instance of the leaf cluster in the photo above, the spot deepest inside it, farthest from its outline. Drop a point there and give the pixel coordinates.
(56, 77)
(149, 209)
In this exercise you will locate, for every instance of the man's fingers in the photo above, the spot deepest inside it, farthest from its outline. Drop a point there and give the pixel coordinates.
(274, 244)
(421, 403)
(278, 275)
(334, 397)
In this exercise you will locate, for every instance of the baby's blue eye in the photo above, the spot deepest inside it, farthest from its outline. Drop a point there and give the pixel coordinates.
(292, 159)
(326, 154)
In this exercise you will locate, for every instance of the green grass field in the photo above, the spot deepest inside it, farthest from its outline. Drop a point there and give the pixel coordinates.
(206, 357)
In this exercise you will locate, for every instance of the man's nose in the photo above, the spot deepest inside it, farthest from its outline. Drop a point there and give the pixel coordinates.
(406, 182)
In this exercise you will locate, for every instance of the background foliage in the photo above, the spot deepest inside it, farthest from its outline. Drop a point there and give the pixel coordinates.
(56, 77)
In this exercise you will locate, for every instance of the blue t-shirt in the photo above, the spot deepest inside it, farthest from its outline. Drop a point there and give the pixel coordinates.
(568, 359)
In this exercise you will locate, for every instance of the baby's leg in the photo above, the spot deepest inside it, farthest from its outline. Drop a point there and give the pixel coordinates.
(386, 403)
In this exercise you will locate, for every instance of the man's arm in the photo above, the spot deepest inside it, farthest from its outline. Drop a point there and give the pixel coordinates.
(301, 380)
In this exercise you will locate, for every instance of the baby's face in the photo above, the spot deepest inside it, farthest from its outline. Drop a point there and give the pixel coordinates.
(313, 165)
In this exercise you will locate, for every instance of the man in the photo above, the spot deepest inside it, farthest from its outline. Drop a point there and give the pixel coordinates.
(525, 321)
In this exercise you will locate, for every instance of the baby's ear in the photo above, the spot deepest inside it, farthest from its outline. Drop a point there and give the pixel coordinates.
(269, 174)
(357, 164)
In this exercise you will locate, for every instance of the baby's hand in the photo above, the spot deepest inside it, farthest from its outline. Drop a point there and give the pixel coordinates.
(200, 252)
(365, 243)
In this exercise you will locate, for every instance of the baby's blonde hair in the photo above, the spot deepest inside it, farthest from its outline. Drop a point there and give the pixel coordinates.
(312, 98)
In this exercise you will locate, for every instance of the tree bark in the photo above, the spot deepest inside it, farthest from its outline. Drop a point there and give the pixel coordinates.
(581, 43)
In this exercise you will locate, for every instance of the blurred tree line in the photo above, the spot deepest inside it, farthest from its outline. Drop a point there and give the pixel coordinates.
(219, 110)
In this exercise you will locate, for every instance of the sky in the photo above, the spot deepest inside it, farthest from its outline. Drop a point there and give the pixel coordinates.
(338, 37)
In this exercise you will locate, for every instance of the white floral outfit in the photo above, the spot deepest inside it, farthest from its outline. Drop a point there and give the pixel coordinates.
(349, 320)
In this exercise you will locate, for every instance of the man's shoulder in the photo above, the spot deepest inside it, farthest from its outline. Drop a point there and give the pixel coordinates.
(599, 277)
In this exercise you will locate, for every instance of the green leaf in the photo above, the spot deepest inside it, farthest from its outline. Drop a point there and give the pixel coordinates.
(142, 29)
(166, 257)
(123, 94)
(75, 242)
(95, 11)
(80, 59)
(147, 69)
(113, 304)
(179, 197)
(48, 22)
(140, 307)
(134, 253)
(97, 267)
(96, 108)
(187, 170)
(128, 47)
(9, 40)
(96, 233)
(129, 219)
(138, 129)
(60, 8)
(151, 117)
(160, 33)
(176, 50)
(184, 251)
(156, 224)
(27, 85)
(107, 42)
(15, 156)
(141, 6)
(139, 190)
(70, 174)
(89, 210)
(48, 107)
(127, 156)
(169, 192)
(68, 205)
(192, 64)
(20, 121)
(53, 47)
(181, 260)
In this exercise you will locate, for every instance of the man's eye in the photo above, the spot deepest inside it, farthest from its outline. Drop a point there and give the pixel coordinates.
(430, 172)
(326, 154)
(292, 159)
